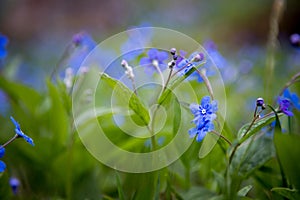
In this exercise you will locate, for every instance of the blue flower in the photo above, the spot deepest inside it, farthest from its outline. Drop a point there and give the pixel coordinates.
(285, 106)
(138, 38)
(20, 133)
(204, 114)
(2, 164)
(294, 99)
(156, 59)
(3, 43)
(287, 102)
(185, 64)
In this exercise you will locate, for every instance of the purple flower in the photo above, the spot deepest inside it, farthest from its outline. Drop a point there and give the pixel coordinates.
(155, 61)
(285, 106)
(2, 164)
(287, 102)
(204, 114)
(20, 133)
(295, 39)
(14, 184)
(3, 44)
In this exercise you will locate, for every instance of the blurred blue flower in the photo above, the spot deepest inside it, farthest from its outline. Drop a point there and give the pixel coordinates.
(285, 106)
(2, 164)
(287, 102)
(14, 184)
(156, 59)
(139, 38)
(204, 114)
(3, 43)
(294, 99)
(185, 64)
(82, 44)
(20, 133)
(215, 55)
(295, 39)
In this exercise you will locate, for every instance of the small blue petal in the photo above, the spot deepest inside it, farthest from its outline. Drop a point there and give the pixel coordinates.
(2, 166)
(20, 133)
(2, 151)
(17, 125)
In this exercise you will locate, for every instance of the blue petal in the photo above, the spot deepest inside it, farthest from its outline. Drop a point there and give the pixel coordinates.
(201, 136)
(205, 101)
(162, 55)
(214, 106)
(145, 61)
(194, 108)
(3, 53)
(2, 151)
(17, 125)
(3, 40)
(29, 140)
(192, 132)
(2, 166)
(152, 53)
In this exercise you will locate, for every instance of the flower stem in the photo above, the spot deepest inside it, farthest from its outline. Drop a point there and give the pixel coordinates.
(207, 83)
(288, 84)
(10, 141)
(221, 136)
(168, 80)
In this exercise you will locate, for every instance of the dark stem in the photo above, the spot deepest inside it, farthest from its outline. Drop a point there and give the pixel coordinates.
(168, 80)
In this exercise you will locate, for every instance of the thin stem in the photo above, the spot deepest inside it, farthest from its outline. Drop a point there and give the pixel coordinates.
(168, 80)
(207, 83)
(290, 82)
(133, 86)
(155, 64)
(10, 141)
(223, 137)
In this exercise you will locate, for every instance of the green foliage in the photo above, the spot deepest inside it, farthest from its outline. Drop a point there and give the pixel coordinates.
(127, 95)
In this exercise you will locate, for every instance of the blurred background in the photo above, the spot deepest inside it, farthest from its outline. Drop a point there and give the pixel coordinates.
(40, 31)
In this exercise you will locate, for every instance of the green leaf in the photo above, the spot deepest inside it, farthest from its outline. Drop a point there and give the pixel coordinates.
(288, 151)
(127, 95)
(257, 125)
(119, 185)
(251, 155)
(22, 95)
(244, 191)
(291, 194)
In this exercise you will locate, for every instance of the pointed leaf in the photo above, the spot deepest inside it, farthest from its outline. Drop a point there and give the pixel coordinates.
(291, 194)
(244, 191)
(134, 102)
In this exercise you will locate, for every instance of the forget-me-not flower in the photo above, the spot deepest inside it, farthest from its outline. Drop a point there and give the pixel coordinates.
(20, 133)
(204, 114)
(155, 61)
